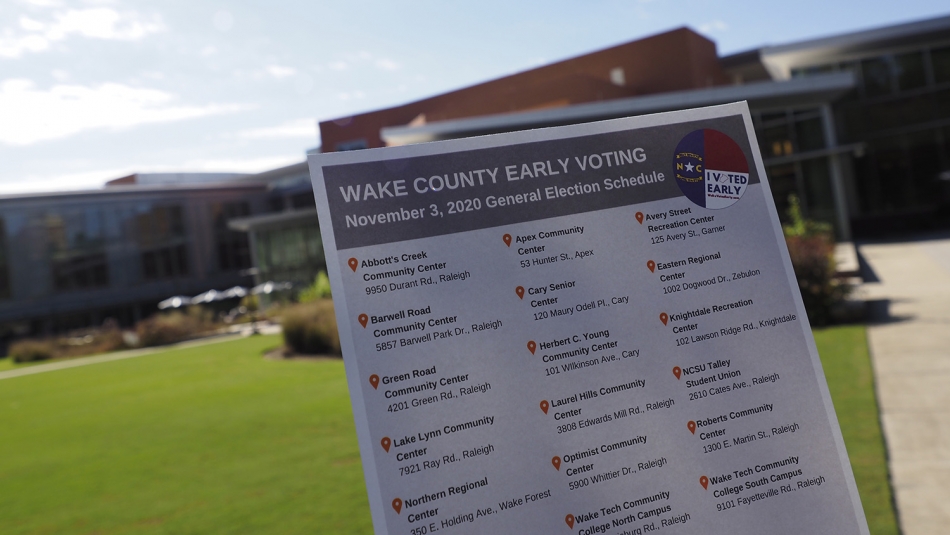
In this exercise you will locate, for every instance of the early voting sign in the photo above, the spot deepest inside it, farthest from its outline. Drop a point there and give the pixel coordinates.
(584, 329)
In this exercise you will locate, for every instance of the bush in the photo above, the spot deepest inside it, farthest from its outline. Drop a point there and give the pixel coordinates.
(172, 327)
(811, 246)
(30, 350)
(74, 344)
(310, 328)
(92, 341)
(320, 289)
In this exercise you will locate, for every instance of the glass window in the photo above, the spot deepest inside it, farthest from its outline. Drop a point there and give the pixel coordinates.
(783, 182)
(303, 200)
(910, 71)
(774, 116)
(77, 249)
(893, 167)
(876, 75)
(940, 59)
(775, 141)
(161, 236)
(78, 272)
(818, 193)
(924, 156)
(294, 253)
(946, 153)
(810, 134)
(234, 250)
(159, 225)
(165, 262)
(4, 264)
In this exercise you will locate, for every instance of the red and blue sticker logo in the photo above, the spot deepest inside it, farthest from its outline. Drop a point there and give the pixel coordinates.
(710, 169)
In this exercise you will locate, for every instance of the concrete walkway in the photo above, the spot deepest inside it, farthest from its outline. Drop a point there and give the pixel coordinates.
(910, 352)
(239, 332)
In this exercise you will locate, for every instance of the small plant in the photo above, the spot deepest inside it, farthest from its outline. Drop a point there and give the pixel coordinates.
(172, 327)
(30, 350)
(811, 246)
(310, 328)
(320, 289)
(77, 343)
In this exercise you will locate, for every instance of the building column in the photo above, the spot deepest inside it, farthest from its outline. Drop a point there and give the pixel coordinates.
(842, 218)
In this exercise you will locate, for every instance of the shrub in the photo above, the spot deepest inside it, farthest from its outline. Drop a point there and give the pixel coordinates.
(31, 350)
(811, 246)
(310, 328)
(320, 289)
(74, 344)
(172, 327)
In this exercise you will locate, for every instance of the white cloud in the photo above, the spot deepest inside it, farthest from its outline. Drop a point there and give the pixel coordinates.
(32, 115)
(363, 59)
(222, 21)
(31, 25)
(94, 23)
(43, 3)
(387, 64)
(713, 26)
(301, 128)
(355, 95)
(278, 71)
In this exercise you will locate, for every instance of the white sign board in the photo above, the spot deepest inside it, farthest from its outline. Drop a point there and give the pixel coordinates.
(584, 329)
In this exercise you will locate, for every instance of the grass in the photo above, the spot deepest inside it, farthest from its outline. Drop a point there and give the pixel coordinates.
(202, 440)
(217, 440)
(844, 356)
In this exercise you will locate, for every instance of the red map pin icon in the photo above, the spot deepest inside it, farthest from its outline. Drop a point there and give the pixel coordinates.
(507, 239)
(570, 521)
(353, 263)
(691, 425)
(556, 461)
(386, 443)
(652, 265)
(532, 346)
(677, 372)
(704, 481)
(545, 405)
(374, 380)
(520, 291)
(364, 319)
(664, 318)
(397, 505)
(640, 217)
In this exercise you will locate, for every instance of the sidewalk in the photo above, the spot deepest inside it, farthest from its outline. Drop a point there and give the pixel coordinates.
(233, 334)
(910, 352)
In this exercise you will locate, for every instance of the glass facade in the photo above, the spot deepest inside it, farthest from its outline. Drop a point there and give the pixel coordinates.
(4, 264)
(161, 235)
(85, 257)
(791, 142)
(293, 253)
(234, 251)
(900, 113)
(77, 239)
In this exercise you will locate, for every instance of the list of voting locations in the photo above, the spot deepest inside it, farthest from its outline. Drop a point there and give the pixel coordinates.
(583, 329)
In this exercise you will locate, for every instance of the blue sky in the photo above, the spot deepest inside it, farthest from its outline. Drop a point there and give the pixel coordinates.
(91, 90)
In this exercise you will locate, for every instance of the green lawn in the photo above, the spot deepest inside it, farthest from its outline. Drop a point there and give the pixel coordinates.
(215, 439)
(204, 440)
(844, 355)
